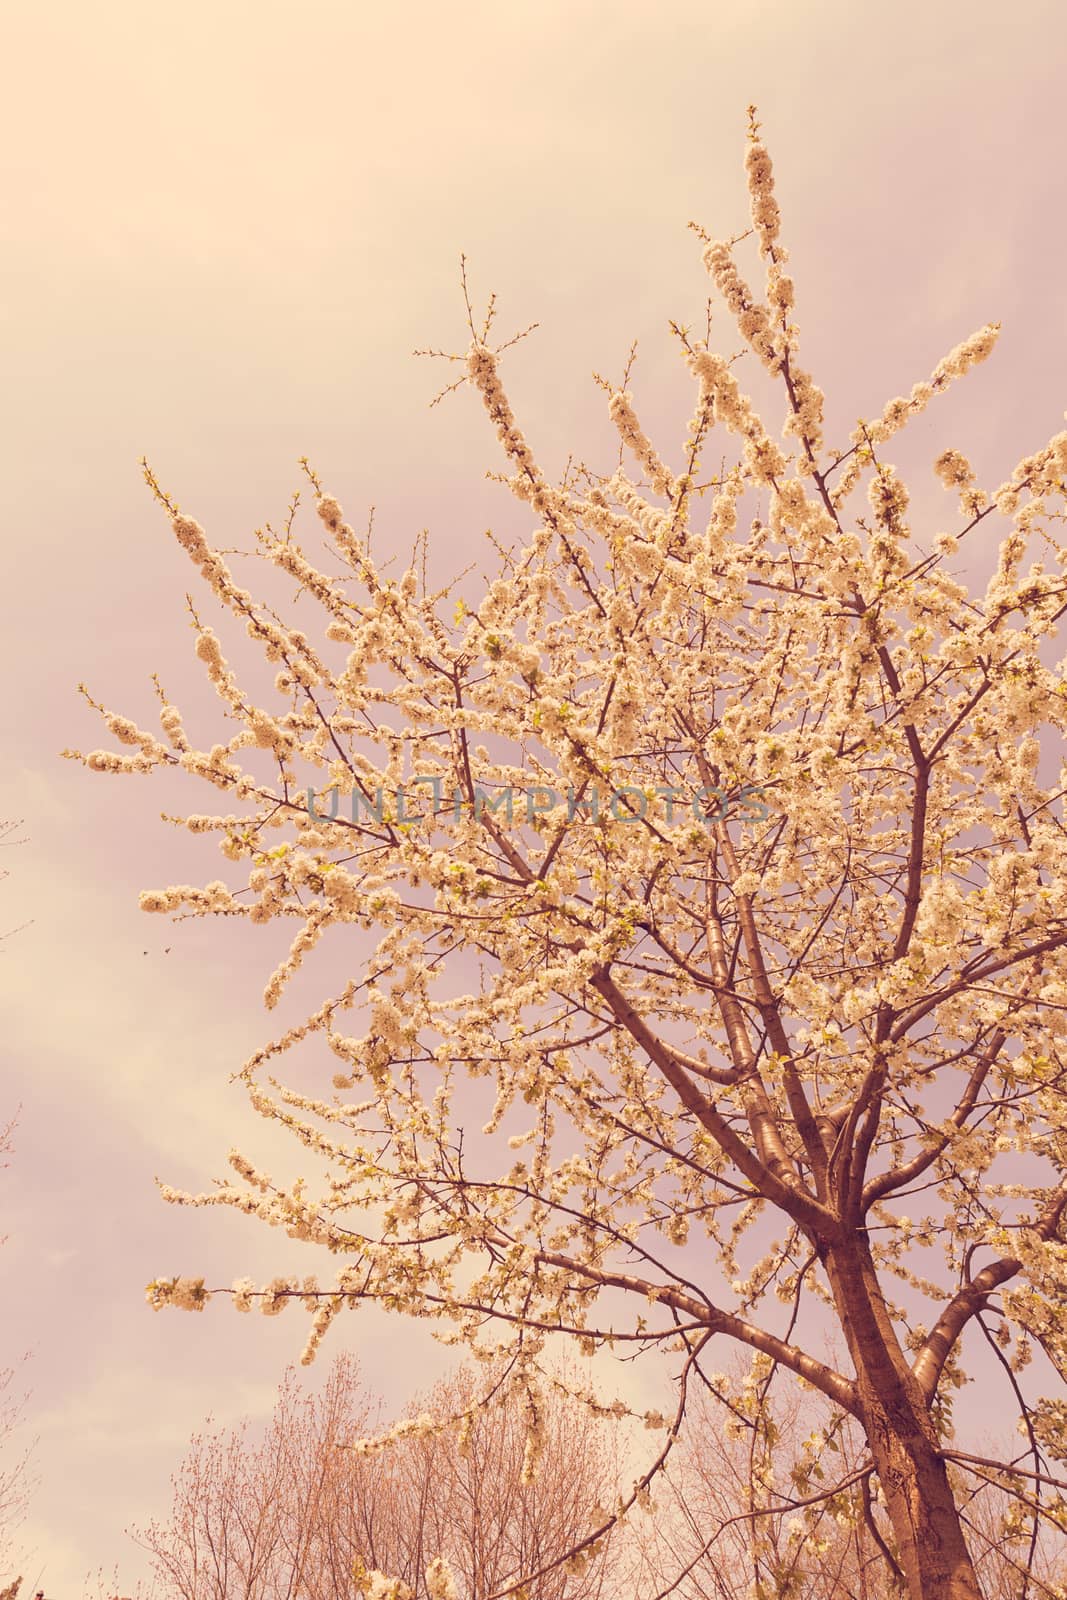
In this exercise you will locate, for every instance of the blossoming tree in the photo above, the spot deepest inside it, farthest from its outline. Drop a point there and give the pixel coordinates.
(733, 1068)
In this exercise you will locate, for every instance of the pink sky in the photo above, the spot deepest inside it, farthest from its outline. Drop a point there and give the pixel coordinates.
(226, 228)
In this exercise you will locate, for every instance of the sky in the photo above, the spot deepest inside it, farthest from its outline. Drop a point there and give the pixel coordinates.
(226, 229)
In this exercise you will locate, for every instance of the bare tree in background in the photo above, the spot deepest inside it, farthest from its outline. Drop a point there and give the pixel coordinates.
(7, 828)
(15, 1484)
(298, 1513)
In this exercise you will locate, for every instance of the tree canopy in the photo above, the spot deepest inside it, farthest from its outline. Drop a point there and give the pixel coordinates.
(720, 897)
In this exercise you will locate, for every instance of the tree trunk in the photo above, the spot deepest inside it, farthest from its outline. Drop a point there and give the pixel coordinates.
(895, 1416)
(921, 1507)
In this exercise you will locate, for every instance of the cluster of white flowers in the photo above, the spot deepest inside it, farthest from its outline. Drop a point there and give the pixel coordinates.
(633, 436)
(242, 1293)
(888, 497)
(766, 217)
(212, 898)
(482, 367)
(954, 470)
(376, 1586)
(753, 319)
(900, 411)
(440, 1583)
(763, 459)
(185, 1294)
(534, 1418)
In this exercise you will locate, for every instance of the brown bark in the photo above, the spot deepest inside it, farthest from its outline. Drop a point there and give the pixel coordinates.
(930, 1546)
(895, 1416)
